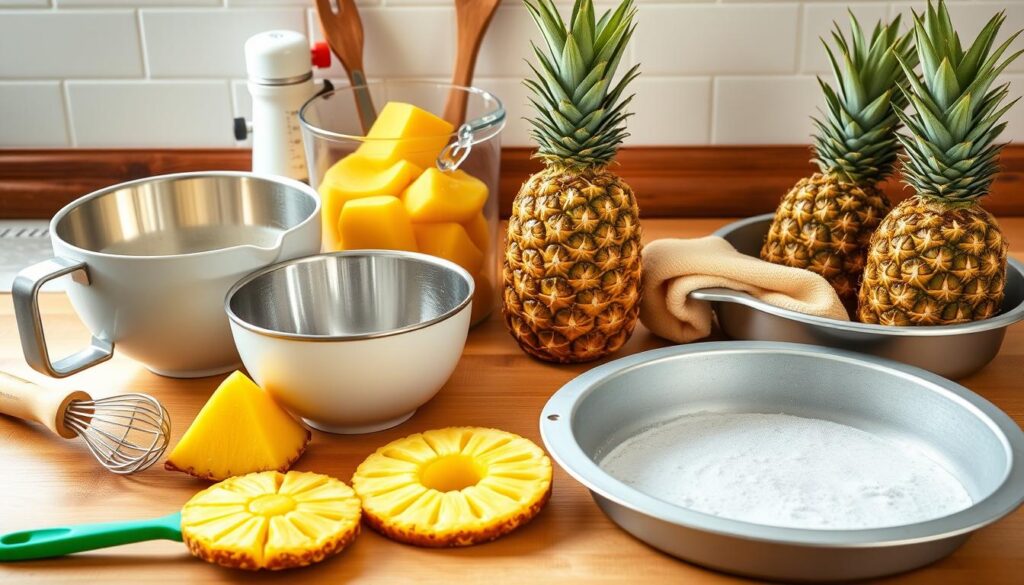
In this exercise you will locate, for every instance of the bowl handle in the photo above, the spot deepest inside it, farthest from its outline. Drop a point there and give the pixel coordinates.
(30, 322)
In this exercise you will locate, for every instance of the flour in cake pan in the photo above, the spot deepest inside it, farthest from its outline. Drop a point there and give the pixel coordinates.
(782, 470)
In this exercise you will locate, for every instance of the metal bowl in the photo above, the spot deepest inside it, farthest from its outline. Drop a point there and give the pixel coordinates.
(353, 342)
(954, 351)
(152, 260)
(970, 437)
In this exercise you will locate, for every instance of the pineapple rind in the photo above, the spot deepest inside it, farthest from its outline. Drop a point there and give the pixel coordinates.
(824, 224)
(506, 496)
(938, 258)
(572, 265)
(323, 520)
(934, 264)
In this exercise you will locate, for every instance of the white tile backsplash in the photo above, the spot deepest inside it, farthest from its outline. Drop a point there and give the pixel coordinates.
(32, 114)
(208, 43)
(171, 72)
(709, 39)
(151, 113)
(764, 110)
(409, 42)
(671, 111)
(58, 44)
(135, 3)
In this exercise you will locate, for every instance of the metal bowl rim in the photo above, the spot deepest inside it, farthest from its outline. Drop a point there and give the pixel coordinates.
(727, 295)
(299, 186)
(561, 444)
(441, 262)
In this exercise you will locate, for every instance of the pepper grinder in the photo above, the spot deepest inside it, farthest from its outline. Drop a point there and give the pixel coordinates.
(280, 64)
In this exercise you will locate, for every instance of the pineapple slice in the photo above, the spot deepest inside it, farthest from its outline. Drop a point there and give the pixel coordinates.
(239, 430)
(456, 486)
(270, 520)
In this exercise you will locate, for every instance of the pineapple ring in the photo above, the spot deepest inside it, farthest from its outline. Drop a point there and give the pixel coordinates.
(456, 486)
(271, 520)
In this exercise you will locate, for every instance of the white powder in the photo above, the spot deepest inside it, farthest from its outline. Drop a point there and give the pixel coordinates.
(783, 470)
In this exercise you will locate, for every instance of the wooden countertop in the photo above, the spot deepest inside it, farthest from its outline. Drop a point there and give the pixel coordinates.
(49, 481)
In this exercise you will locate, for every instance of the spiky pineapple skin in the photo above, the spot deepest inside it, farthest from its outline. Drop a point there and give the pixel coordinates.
(823, 224)
(934, 263)
(572, 265)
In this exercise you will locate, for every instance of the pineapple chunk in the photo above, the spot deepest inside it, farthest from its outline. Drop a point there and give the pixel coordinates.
(403, 131)
(271, 520)
(355, 177)
(437, 197)
(449, 241)
(376, 223)
(453, 487)
(479, 231)
(239, 430)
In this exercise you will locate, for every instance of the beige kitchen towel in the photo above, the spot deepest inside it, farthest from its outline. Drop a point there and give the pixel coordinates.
(673, 268)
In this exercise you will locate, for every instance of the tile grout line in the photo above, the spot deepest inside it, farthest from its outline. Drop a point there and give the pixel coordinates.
(68, 121)
(712, 127)
(142, 45)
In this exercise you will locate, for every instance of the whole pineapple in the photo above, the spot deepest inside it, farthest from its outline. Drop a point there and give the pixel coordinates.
(824, 222)
(572, 257)
(938, 258)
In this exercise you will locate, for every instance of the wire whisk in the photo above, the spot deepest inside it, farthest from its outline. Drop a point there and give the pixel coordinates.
(125, 433)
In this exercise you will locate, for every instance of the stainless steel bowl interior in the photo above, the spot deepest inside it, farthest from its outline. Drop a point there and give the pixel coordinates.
(747, 236)
(975, 441)
(186, 213)
(350, 295)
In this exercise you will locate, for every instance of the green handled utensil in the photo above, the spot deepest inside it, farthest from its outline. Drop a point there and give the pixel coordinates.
(54, 542)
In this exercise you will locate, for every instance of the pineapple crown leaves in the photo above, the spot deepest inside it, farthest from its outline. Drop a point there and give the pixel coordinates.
(581, 113)
(856, 137)
(950, 152)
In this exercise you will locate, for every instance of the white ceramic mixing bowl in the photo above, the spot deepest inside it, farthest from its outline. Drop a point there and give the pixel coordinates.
(352, 342)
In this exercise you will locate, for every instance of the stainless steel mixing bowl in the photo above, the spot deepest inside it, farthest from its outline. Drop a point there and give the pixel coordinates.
(353, 342)
(970, 437)
(152, 260)
(954, 351)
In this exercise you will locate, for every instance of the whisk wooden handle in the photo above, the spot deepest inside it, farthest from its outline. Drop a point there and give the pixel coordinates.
(28, 401)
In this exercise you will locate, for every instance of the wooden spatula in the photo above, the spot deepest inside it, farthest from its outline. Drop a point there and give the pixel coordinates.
(473, 17)
(344, 32)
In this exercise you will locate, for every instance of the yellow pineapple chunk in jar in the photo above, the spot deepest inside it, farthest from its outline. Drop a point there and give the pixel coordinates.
(455, 486)
(271, 520)
(404, 132)
(356, 177)
(479, 230)
(239, 430)
(436, 196)
(451, 242)
(376, 223)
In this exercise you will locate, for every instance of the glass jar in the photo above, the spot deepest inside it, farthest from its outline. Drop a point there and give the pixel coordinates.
(332, 131)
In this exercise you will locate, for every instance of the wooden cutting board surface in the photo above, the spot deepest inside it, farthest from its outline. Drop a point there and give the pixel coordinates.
(47, 481)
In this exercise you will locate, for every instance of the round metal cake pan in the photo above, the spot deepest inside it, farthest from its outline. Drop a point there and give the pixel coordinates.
(954, 351)
(971, 438)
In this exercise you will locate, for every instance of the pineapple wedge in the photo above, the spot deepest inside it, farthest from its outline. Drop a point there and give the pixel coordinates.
(456, 486)
(239, 430)
(271, 520)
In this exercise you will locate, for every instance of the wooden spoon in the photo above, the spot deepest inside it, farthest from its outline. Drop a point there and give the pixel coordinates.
(344, 32)
(473, 17)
